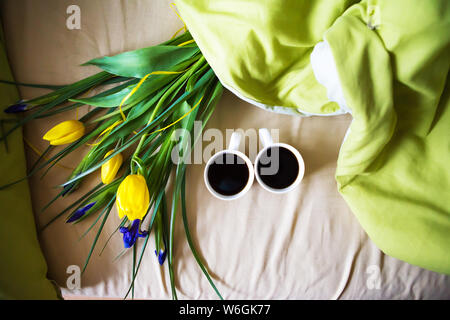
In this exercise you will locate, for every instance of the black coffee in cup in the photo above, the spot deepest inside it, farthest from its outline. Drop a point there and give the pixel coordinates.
(228, 174)
(278, 167)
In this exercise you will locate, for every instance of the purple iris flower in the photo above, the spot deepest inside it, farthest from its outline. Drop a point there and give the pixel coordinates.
(161, 256)
(17, 108)
(132, 234)
(67, 188)
(80, 212)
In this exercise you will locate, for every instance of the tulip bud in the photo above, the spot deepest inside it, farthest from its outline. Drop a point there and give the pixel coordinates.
(17, 108)
(111, 167)
(80, 213)
(65, 132)
(133, 197)
(68, 188)
(161, 256)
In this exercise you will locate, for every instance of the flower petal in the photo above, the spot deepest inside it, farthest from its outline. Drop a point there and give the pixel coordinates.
(111, 167)
(133, 197)
(130, 235)
(67, 188)
(65, 132)
(16, 108)
(71, 137)
(80, 212)
(161, 256)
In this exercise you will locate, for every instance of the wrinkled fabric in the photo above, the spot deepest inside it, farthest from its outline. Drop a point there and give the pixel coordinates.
(261, 48)
(392, 59)
(310, 247)
(393, 168)
(23, 268)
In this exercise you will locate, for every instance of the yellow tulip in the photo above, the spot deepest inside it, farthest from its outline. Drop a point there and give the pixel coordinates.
(111, 167)
(133, 197)
(65, 132)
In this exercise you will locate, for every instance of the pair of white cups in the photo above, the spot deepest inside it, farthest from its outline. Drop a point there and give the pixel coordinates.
(267, 143)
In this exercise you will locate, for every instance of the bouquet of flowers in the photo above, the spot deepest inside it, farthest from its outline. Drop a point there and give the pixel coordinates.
(144, 114)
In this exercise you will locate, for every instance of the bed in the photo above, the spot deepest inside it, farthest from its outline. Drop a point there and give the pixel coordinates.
(305, 244)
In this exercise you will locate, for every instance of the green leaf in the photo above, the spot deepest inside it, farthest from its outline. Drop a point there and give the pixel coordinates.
(175, 198)
(98, 79)
(90, 193)
(40, 86)
(110, 98)
(142, 107)
(189, 238)
(77, 88)
(149, 228)
(52, 201)
(178, 192)
(59, 110)
(125, 146)
(122, 223)
(193, 79)
(186, 36)
(216, 94)
(42, 156)
(106, 194)
(92, 225)
(203, 81)
(71, 147)
(108, 210)
(139, 63)
(151, 85)
(133, 271)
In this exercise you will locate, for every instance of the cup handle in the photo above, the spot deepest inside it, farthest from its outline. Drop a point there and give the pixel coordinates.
(235, 141)
(265, 137)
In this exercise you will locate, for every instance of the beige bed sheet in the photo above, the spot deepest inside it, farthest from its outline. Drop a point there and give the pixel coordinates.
(302, 245)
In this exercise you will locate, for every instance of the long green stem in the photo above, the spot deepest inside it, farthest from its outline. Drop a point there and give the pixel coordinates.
(177, 83)
(189, 238)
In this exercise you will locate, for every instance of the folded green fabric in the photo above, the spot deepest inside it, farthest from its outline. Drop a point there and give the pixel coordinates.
(260, 49)
(393, 168)
(392, 61)
(22, 267)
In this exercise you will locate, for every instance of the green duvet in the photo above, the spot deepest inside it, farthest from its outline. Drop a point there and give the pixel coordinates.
(392, 59)
(22, 265)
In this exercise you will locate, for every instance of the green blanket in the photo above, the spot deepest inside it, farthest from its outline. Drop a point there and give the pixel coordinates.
(392, 60)
(22, 267)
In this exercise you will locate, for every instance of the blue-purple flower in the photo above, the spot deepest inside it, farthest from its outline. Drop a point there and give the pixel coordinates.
(161, 256)
(17, 108)
(130, 235)
(67, 188)
(80, 212)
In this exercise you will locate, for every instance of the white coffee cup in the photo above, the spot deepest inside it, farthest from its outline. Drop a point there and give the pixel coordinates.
(233, 150)
(268, 143)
